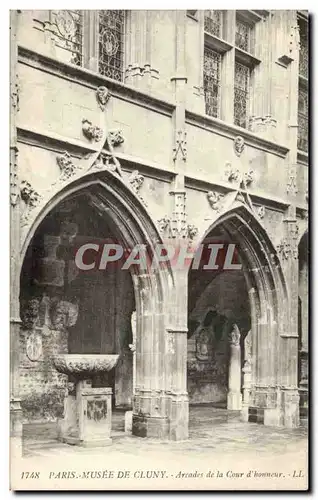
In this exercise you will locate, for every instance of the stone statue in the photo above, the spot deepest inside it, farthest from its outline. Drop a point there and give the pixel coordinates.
(203, 344)
(235, 335)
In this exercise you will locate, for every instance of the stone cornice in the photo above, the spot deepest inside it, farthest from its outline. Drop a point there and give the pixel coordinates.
(53, 142)
(231, 131)
(58, 144)
(91, 79)
(257, 196)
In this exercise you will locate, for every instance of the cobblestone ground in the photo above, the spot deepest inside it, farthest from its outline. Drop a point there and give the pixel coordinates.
(212, 430)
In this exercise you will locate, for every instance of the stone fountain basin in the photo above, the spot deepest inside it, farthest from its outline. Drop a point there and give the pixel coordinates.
(81, 365)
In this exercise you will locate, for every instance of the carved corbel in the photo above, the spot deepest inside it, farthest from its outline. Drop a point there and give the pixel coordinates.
(248, 177)
(103, 95)
(261, 212)
(136, 180)
(116, 137)
(238, 145)
(192, 231)
(214, 199)
(92, 132)
(67, 167)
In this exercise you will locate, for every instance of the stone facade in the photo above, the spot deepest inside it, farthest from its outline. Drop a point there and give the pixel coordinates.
(136, 155)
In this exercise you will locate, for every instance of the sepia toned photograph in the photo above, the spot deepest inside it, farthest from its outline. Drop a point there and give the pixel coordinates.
(159, 250)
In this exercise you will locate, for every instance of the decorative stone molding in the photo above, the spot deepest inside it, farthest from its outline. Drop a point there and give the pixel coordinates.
(178, 224)
(92, 132)
(214, 199)
(238, 145)
(261, 212)
(102, 95)
(234, 336)
(15, 94)
(14, 188)
(181, 145)
(116, 137)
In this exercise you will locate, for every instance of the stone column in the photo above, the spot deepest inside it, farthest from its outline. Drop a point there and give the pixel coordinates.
(149, 415)
(15, 402)
(247, 376)
(234, 397)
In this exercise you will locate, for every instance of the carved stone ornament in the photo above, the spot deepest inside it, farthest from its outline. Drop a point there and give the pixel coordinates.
(15, 92)
(14, 189)
(67, 167)
(181, 145)
(239, 145)
(92, 132)
(192, 231)
(261, 212)
(248, 177)
(214, 199)
(107, 161)
(234, 336)
(232, 174)
(29, 195)
(136, 180)
(102, 95)
(286, 250)
(164, 224)
(116, 137)
(34, 347)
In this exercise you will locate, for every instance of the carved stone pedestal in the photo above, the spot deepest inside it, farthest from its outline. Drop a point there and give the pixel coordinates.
(87, 420)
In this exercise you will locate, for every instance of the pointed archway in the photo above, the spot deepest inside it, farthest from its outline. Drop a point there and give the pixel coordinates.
(270, 354)
(157, 405)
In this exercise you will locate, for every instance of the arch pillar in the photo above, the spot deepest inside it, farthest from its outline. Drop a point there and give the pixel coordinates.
(160, 403)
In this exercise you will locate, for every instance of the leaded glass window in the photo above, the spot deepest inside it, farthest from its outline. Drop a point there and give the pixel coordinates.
(213, 22)
(211, 81)
(242, 35)
(111, 34)
(241, 94)
(302, 142)
(303, 50)
(67, 26)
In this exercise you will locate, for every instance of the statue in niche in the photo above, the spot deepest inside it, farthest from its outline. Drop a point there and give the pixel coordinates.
(203, 344)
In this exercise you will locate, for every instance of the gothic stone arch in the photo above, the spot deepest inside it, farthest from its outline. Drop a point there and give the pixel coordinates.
(160, 404)
(273, 394)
